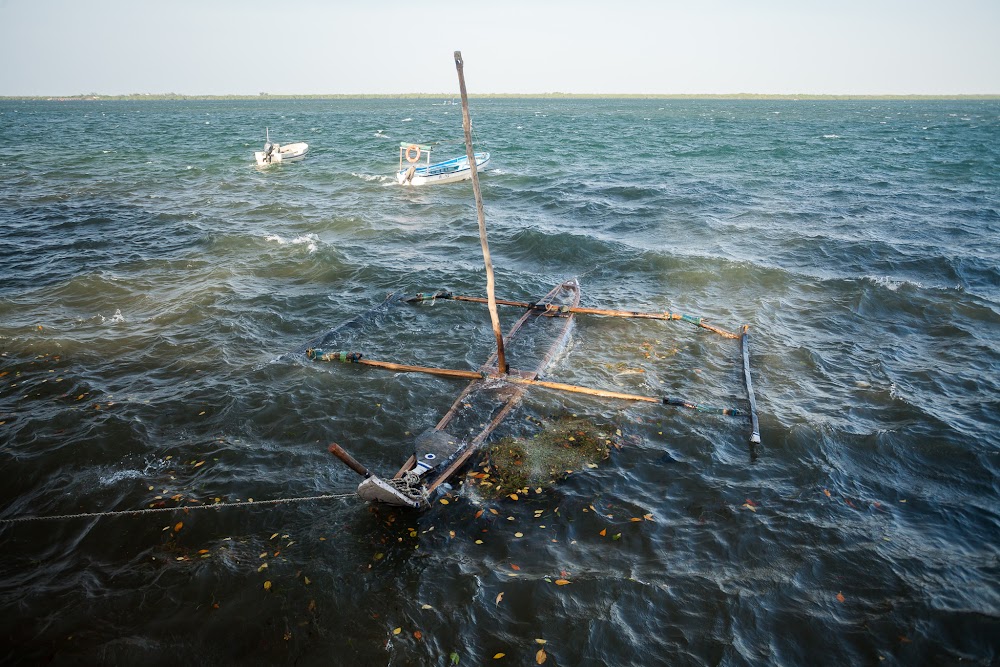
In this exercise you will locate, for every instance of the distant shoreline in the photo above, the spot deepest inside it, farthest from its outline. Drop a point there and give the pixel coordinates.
(141, 97)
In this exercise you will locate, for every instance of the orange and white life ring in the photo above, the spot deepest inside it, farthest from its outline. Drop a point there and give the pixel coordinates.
(410, 155)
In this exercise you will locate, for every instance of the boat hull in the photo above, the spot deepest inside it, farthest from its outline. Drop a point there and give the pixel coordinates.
(481, 406)
(449, 171)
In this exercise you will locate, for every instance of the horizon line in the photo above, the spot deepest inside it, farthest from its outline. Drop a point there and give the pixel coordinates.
(549, 95)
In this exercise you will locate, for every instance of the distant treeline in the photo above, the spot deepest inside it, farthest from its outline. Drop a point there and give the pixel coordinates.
(440, 96)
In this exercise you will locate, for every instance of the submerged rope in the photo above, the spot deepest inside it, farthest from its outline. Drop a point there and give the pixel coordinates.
(153, 510)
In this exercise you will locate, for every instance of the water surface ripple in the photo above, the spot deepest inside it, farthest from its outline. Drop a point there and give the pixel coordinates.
(158, 291)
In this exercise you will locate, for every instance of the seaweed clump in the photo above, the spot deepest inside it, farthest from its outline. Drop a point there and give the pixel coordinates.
(515, 465)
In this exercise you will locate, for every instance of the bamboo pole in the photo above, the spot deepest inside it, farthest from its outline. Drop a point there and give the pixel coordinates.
(745, 344)
(697, 321)
(490, 283)
(513, 377)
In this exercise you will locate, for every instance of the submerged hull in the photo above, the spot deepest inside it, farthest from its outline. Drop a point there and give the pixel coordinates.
(531, 343)
(450, 171)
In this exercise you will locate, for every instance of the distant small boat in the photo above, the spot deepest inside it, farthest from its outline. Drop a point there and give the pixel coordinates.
(449, 171)
(274, 153)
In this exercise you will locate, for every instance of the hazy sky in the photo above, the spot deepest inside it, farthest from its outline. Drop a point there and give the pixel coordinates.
(201, 47)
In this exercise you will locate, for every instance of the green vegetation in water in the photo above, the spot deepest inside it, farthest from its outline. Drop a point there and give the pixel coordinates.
(515, 465)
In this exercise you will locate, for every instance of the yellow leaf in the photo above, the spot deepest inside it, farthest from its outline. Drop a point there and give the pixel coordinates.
(826, 492)
(267, 585)
(499, 597)
(199, 464)
(540, 656)
(493, 511)
(513, 496)
(561, 582)
(479, 541)
(397, 631)
(306, 580)
(178, 526)
(604, 532)
(499, 655)
(262, 567)
(444, 501)
(518, 534)
(539, 641)
(635, 518)
(274, 536)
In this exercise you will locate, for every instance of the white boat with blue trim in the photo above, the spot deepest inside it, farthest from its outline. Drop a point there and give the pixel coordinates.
(449, 171)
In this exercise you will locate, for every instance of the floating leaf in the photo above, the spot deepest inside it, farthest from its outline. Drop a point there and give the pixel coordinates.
(479, 541)
(267, 585)
(499, 655)
(515, 567)
(561, 582)
(499, 597)
(306, 580)
(826, 492)
(539, 641)
(635, 518)
(199, 464)
(647, 517)
(604, 532)
(540, 656)
(513, 496)
(444, 501)
(518, 534)
(178, 526)
(454, 658)
(417, 634)
(426, 606)
(262, 567)
(396, 631)
(274, 536)
(840, 597)
(479, 514)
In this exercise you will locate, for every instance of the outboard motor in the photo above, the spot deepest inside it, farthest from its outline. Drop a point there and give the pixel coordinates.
(268, 150)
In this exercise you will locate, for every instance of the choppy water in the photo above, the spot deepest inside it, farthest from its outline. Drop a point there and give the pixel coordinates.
(157, 289)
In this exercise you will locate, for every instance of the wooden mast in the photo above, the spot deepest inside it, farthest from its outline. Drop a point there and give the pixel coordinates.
(490, 283)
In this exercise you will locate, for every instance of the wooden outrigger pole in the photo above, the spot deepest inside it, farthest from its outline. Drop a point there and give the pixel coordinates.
(490, 283)
(513, 377)
(697, 321)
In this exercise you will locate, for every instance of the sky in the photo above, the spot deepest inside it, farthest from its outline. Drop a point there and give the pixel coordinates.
(246, 47)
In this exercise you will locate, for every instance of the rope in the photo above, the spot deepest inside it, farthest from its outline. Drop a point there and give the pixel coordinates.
(153, 510)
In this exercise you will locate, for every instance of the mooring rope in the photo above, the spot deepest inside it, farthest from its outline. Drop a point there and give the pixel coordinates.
(179, 508)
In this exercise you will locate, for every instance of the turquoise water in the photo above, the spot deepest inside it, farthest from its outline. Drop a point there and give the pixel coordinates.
(157, 291)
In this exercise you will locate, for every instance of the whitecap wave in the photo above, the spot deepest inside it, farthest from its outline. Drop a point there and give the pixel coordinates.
(311, 241)
(371, 177)
(890, 283)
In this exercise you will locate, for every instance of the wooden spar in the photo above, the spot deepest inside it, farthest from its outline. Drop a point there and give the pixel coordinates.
(351, 462)
(697, 321)
(490, 284)
(518, 378)
(745, 344)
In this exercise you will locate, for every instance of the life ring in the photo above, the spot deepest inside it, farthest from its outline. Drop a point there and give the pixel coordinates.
(410, 157)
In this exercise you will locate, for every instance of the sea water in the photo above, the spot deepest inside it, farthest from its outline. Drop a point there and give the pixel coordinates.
(158, 291)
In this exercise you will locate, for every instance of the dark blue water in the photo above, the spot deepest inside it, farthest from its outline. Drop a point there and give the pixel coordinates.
(157, 290)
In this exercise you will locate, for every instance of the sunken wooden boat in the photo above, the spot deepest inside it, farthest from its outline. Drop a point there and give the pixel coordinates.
(532, 343)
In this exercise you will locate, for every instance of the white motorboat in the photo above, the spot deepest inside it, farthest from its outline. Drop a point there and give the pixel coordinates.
(274, 153)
